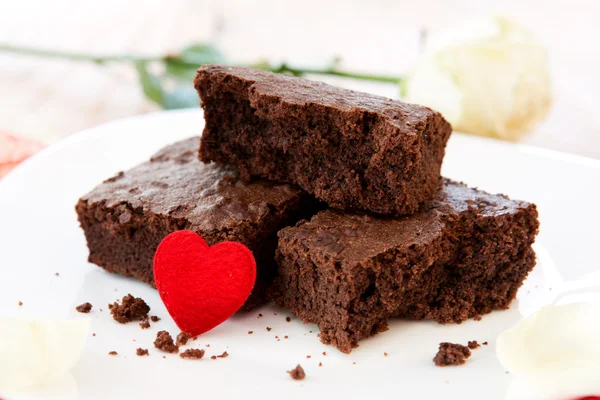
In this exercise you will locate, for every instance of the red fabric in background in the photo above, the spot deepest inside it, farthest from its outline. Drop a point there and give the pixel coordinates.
(13, 150)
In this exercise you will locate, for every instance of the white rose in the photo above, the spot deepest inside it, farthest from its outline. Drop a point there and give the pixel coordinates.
(490, 78)
(39, 352)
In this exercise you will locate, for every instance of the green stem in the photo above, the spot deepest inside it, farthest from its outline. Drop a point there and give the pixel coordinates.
(102, 59)
(65, 55)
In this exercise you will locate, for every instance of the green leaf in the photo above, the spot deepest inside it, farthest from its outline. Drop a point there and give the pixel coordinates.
(151, 84)
(183, 96)
(201, 54)
(180, 70)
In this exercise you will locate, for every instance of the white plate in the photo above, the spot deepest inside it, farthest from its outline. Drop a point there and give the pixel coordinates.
(39, 235)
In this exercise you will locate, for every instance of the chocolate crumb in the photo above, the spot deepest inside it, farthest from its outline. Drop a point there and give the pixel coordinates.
(213, 357)
(250, 332)
(100, 309)
(113, 353)
(20, 303)
(259, 315)
(286, 337)
(477, 318)
(164, 356)
(182, 339)
(208, 345)
(154, 318)
(141, 352)
(57, 274)
(297, 373)
(309, 331)
(451, 354)
(320, 364)
(354, 363)
(324, 353)
(84, 308)
(145, 324)
(307, 356)
(164, 342)
(94, 334)
(385, 354)
(193, 354)
(473, 344)
(224, 355)
(287, 319)
(130, 309)
(485, 343)
(276, 337)
(268, 329)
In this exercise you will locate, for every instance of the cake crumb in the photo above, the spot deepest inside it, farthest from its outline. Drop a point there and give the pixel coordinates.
(473, 344)
(268, 329)
(485, 343)
(307, 356)
(451, 354)
(56, 274)
(224, 355)
(320, 364)
(141, 352)
(20, 303)
(94, 334)
(297, 373)
(145, 324)
(130, 309)
(324, 353)
(154, 318)
(287, 319)
(193, 354)
(208, 345)
(286, 337)
(164, 342)
(259, 315)
(309, 331)
(213, 357)
(113, 353)
(354, 363)
(250, 332)
(182, 339)
(164, 356)
(477, 318)
(385, 354)
(84, 308)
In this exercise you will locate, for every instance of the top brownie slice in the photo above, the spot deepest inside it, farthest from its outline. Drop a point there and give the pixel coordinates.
(352, 150)
(126, 217)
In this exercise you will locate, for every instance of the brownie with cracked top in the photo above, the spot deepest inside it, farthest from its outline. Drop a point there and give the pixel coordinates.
(463, 255)
(350, 149)
(126, 217)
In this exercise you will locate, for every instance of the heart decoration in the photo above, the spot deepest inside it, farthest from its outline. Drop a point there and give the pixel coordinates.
(202, 286)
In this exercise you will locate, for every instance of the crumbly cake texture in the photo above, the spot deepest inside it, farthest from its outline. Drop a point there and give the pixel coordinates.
(126, 217)
(464, 255)
(352, 150)
(451, 354)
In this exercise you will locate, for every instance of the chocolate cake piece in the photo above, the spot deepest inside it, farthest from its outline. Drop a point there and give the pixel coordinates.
(126, 217)
(352, 150)
(466, 254)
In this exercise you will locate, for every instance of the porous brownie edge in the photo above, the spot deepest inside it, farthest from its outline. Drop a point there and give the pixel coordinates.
(474, 266)
(127, 248)
(351, 159)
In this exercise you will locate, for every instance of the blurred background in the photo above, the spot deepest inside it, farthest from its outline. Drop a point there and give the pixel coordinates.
(43, 100)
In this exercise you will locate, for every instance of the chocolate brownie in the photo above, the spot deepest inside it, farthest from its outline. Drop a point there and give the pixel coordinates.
(353, 150)
(126, 217)
(451, 354)
(464, 255)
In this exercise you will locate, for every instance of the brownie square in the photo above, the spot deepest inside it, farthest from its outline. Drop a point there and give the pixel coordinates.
(352, 150)
(465, 254)
(126, 217)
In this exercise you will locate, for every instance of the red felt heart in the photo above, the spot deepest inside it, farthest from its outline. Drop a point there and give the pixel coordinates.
(202, 286)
